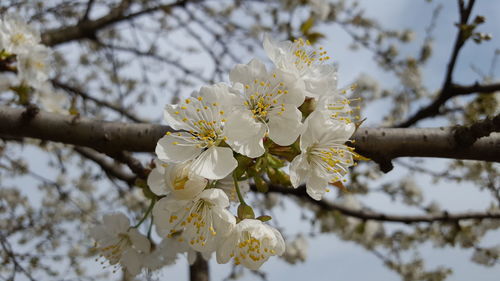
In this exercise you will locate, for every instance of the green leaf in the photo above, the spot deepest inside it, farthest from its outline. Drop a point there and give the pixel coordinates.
(307, 25)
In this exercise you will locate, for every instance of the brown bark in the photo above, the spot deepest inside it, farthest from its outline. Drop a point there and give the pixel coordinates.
(199, 270)
(381, 144)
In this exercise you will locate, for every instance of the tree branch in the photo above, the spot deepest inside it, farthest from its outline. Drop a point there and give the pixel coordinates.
(381, 144)
(300, 192)
(448, 89)
(109, 168)
(89, 28)
(199, 270)
(467, 135)
(451, 91)
(97, 101)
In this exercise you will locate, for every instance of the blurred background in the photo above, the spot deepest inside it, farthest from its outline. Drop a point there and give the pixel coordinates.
(124, 60)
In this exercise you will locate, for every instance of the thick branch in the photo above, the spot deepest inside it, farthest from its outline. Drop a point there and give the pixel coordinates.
(379, 144)
(300, 192)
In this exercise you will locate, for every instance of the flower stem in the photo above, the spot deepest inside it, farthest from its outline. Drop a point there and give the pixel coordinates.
(150, 208)
(238, 192)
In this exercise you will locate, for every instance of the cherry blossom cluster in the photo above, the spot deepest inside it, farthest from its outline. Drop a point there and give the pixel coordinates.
(22, 52)
(25, 65)
(226, 137)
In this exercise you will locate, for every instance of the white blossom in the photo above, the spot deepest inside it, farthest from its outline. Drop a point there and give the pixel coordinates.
(50, 99)
(324, 156)
(33, 66)
(202, 119)
(251, 244)
(306, 68)
(175, 179)
(296, 250)
(201, 222)
(119, 243)
(262, 105)
(16, 35)
(321, 8)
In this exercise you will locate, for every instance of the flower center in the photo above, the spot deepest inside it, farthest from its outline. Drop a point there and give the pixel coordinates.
(261, 97)
(304, 56)
(180, 182)
(251, 248)
(18, 39)
(113, 252)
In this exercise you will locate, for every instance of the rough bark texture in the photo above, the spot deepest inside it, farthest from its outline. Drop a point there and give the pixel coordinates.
(382, 145)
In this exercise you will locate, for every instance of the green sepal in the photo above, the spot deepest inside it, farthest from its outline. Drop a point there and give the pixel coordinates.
(261, 184)
(245, 212)
(264, 218)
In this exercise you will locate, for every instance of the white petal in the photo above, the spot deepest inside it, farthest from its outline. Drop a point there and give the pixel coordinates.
(156, 183)
(140, 242)
(244, 134)
(172, 119)
(218, 93)
(279, 246)
(321, 80)
(192, 188)
(316, 187)
(246, 73)
(116, 223)
(215, 163)
(284, 128)
(299, 170)
(215, 196)
(224, 251)
(132, 262)
(168, 151)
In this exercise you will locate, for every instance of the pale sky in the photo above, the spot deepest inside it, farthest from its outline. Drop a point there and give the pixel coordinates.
(333, 259)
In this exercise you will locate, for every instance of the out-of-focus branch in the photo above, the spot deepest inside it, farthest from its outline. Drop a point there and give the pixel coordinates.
(97, 101)
(90, 4)
(199, 270)
(382, 144)
(300, 192)
(89, 28)
(451, 91)
(111, 169)
(448, 89)
(157, 57)
(133, 163)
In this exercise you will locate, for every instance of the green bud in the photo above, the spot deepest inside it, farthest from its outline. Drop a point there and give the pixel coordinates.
(261, 184)
(284, 179)
(245, 212)
(274, 161)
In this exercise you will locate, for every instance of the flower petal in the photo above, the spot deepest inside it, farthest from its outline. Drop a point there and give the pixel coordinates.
(214, 163)
(156, 183)
(140, 242)
(285, 126)
(170, 149)
(244, 134)
(132, 262)
(299, 170)
(246, 73)
(316, 187)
